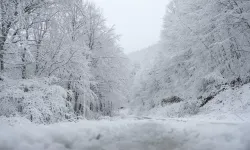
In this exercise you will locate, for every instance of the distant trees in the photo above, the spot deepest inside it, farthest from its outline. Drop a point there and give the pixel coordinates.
(68, 40)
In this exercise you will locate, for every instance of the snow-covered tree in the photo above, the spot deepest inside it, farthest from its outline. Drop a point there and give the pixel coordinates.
(68, 40)
(204, 47)
(8, 12)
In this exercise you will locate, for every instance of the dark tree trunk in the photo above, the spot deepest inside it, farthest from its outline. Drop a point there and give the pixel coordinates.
(37, 57)
(24, 65)
(91, 106)
(1, 54)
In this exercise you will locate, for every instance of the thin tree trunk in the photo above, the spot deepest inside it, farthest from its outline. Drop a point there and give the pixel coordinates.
(37, 56)
(1, 54)
(76, 103)
(2, 39)
(24, 65)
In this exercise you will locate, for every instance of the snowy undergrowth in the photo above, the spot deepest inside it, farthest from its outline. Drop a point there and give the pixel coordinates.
(13, 121)
(233, 104)
(128, 134)
(182, 109)
(38, 100)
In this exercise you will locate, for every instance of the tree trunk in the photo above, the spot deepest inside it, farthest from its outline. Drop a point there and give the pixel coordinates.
(76, 109)
(24, 75)
(1, 54)
(2, 39)
(37, 56)
(24, 65)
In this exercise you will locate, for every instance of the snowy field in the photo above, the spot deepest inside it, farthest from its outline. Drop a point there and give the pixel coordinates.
(127, 134)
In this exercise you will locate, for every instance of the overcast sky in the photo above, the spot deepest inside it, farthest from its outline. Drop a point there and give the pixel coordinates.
(138, 21)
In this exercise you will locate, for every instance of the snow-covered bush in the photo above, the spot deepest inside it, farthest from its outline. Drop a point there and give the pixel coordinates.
(38, 100)
(180, 109)
(171, 100)
(188, 108)
(12, 121)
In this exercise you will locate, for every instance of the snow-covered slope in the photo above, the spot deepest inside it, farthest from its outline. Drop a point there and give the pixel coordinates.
(232, 104)
(204, 49)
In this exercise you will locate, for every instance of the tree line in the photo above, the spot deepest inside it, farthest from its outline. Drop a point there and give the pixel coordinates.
(69, 40)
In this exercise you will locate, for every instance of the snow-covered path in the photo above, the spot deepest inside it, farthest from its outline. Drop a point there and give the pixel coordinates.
(127, 134)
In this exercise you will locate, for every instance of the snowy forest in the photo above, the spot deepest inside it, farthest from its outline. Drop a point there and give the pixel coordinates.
(203, 53)
(61, 63)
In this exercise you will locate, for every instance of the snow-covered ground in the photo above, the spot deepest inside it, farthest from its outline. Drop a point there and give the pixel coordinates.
(230, 105)
(223, 123)
(127, 134)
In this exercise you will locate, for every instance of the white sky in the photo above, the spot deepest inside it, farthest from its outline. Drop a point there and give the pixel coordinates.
(138, 22)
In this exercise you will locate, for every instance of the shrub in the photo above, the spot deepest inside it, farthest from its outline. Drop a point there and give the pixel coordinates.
(188, 108)
(38, 100)
(171, 100)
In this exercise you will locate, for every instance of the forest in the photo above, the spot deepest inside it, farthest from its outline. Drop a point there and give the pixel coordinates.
(66, 82)
(59, 61)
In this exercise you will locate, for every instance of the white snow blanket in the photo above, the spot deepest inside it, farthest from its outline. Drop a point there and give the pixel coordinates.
(127, 134)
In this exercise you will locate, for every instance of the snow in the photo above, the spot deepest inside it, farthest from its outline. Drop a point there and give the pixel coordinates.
(200, 50)
(127, 134)
(39, 100)
(201, 60)
(232, 104)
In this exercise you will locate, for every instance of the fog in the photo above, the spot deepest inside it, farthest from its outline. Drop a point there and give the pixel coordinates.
(138, 22)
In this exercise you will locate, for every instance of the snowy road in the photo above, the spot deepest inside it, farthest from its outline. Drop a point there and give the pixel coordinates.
(127, 134)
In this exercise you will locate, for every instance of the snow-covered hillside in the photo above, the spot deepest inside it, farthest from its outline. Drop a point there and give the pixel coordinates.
(204, 51)
(231, 104)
